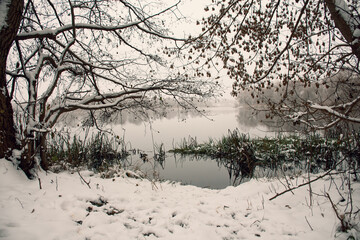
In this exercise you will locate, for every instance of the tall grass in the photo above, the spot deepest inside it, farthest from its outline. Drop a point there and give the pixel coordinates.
(235, 149)
(98, 153)
(242, 154)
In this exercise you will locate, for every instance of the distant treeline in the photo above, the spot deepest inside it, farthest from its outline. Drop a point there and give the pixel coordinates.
(336, 91)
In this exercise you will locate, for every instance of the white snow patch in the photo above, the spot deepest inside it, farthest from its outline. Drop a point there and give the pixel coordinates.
(128, 208)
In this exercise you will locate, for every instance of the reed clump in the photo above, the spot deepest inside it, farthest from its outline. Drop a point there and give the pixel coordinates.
(313, 152)
(98, 153)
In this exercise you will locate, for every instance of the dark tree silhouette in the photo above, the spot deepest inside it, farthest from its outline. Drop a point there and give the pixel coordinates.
(8, 29)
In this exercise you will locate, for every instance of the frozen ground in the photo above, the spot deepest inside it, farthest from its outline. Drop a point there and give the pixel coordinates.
(129, 208)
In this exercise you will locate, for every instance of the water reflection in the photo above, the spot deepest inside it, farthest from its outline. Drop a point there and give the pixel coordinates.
(143, 134)
(250, 118)
(168, 132)
(195, 170)
(178, 125)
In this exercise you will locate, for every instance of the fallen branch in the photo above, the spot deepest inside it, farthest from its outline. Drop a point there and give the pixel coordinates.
(301, 185)
(308, 182)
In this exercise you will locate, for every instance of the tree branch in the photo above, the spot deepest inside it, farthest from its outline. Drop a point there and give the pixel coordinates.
(308, 182)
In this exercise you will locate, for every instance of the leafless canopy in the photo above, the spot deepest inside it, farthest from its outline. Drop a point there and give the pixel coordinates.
(94, 55)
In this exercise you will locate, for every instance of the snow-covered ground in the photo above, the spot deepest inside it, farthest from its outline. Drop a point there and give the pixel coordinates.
(128, 208)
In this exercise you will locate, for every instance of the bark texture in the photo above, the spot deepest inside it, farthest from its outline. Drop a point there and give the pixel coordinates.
(7, 36)
(344, 26)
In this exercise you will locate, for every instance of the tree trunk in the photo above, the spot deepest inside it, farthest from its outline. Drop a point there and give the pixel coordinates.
(42, 140)
(27, 158)
(7, 36)
(41, 145)
(31, 138)
(344, 25)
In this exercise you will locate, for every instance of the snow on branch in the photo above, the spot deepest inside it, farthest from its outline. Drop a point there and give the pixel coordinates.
(88, 103)
(93, 56)
(346, 22)
(52, 33)
(335, 113)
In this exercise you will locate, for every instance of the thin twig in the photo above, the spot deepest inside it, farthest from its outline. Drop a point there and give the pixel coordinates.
(81, 177)
(310, 189)
(341, 218)
(39, 183)
(307, 183)
(350, 199)
(309, 224)
(20, 203)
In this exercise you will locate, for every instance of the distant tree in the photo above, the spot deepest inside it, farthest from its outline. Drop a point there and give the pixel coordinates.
(281, 45)
(100, 56)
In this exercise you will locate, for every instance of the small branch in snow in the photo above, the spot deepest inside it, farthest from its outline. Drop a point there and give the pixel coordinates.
(341, 217)
(81, 177)
(309, 224)
(307, 183)
(22, 206)
(39, 183)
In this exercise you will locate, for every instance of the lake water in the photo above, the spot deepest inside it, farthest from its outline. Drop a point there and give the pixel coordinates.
(170, 131)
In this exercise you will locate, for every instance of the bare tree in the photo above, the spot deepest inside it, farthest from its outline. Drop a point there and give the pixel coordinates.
(281, 45)
(92, 55)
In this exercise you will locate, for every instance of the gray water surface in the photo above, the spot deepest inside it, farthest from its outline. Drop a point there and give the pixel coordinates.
(171, 131)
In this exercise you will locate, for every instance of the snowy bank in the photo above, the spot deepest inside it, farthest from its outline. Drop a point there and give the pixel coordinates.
(128, 208)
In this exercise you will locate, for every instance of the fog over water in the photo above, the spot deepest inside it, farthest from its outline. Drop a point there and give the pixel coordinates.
(171, 130)
(146, 134)
(177, 126)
